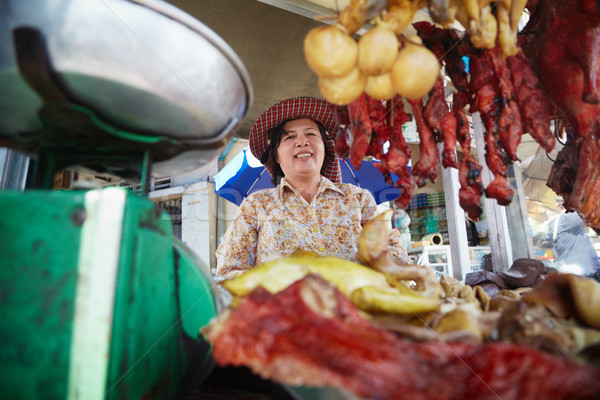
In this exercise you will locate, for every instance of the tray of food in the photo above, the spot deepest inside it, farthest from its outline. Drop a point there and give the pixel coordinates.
(330, 328)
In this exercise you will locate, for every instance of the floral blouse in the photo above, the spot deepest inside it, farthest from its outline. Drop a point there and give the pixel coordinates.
(273, 223)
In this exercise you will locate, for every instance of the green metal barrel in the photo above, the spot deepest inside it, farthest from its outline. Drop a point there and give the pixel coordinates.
(98, 299)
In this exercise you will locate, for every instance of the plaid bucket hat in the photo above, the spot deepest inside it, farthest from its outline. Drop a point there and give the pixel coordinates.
(318, 110)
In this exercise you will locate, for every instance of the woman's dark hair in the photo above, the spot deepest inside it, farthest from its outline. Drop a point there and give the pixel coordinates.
(275, 135)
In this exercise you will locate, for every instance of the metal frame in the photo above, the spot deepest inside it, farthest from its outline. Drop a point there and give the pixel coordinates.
(457, 231)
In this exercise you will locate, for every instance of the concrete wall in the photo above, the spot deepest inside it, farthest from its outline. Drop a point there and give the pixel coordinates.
(198, 218)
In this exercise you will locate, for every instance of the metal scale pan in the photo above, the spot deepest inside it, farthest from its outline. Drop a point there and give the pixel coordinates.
(150, 75)
(99, 299)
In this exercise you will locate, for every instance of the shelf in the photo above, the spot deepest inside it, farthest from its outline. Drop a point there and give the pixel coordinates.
(429, 248)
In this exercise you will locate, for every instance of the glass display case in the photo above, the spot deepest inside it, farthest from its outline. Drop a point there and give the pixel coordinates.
(477, 256)
(428, 215)
(438, 258)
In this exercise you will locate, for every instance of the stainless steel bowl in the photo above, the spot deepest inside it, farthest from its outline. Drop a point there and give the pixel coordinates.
(142, 66)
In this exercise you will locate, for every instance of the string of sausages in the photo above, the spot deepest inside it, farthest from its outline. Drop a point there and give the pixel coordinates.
(505, 92)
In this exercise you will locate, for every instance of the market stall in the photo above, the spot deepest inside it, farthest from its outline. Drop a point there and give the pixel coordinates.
(467, 320)
(508, 88)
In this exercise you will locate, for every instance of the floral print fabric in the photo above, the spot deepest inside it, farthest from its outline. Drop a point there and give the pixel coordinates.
(273, 223)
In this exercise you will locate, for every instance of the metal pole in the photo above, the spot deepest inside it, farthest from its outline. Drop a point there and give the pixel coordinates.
(13, 169)
(455, 216)
(525, 250)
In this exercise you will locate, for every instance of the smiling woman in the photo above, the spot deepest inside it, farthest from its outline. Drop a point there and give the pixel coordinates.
(300, 154)
(309, 209)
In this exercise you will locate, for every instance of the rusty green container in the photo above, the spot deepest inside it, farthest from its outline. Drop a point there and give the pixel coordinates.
(98, 299)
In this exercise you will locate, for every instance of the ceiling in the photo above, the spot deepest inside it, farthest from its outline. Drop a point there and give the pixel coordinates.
(267, 35)
(268, 40)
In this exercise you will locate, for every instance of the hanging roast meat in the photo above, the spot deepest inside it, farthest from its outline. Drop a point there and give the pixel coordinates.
(427, 166)
(563, 46)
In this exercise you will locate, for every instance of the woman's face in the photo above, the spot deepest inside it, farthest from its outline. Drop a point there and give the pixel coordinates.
(301, 150)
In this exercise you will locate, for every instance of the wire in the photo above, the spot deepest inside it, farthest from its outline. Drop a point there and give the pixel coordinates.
(557, 128)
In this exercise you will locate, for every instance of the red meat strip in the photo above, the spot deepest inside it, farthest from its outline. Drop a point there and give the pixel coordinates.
(442, 122)
(489, 101)
(534, 108)
(497, 161)
(361, 128)
(469, 171)
(436, 107)
(378, 116)
(427, 165)
(399, 154)
(343, 134)
(510, 127)
(469, 195)
(481, 69)
(342, 142)
(448, 124)
(449, 48)
(463, 128)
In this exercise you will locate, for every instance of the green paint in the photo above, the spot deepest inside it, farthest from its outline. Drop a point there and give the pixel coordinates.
(38, 258)
(161, 300)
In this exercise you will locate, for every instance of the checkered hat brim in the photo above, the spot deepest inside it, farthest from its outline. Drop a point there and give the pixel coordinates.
(297, 107)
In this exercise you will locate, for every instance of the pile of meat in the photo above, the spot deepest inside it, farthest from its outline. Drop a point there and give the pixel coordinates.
(558, 71)
(310, 334)
(386, 330)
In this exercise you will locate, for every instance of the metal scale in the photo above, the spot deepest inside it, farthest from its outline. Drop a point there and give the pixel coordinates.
(98, 299)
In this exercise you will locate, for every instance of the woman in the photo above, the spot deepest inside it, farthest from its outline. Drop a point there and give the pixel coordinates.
(309, 209)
